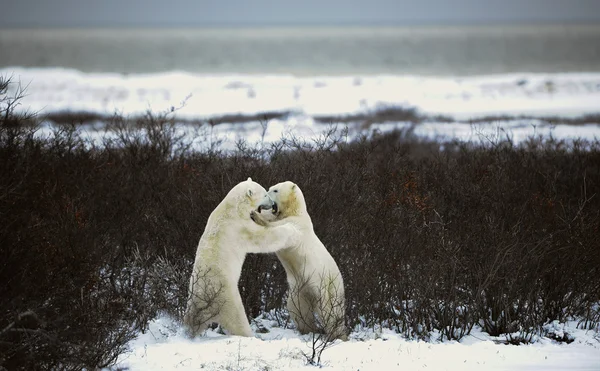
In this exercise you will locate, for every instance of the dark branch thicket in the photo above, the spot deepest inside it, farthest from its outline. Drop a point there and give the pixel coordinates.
(96, 240)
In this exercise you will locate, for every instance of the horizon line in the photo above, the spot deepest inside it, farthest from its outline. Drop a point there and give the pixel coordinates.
(399, 24)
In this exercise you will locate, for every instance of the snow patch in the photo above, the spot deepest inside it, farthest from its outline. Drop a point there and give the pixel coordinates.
(59, 89)
(164, 347)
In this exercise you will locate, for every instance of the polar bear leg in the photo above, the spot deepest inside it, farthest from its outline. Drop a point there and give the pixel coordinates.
(233, 317)
(301, 307)
(332, 310)
(196, 320)
(332, 314)
(204, 301)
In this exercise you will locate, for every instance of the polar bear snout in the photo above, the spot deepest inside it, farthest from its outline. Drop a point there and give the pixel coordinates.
(264, 207)
(266, 204)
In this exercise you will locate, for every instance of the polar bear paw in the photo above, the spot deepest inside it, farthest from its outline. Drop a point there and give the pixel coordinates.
(258, 219)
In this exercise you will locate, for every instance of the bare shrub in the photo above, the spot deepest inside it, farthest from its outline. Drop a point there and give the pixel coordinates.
(169, 283)
(590, 318)
(205, 301)
(317, 307)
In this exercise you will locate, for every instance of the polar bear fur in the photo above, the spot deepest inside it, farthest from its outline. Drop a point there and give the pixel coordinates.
(229, 235)
(315, 283)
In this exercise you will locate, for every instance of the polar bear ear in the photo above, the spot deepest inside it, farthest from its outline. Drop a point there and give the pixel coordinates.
(249, 179)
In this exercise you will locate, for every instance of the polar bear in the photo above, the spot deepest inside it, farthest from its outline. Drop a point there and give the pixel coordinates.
(230, 233)
(316, 300)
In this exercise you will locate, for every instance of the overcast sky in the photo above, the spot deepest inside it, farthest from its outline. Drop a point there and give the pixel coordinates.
(41, 13)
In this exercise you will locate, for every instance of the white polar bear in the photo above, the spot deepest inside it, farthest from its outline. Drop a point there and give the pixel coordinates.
(228, 236)
(316, 289)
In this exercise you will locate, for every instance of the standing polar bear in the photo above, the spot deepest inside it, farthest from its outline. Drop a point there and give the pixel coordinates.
(316, 300)
(230, 233)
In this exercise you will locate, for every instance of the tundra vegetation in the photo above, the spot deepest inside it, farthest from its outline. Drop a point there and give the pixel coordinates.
(97, 240)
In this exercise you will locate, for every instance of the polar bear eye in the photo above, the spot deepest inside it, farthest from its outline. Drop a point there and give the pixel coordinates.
(275, 191)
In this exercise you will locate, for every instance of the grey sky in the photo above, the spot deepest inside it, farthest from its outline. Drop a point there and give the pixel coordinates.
(264, 12)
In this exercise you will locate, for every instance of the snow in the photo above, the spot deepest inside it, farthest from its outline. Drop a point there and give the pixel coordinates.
(59, 89)
(164, 347)
(303, 100)
(262, 134)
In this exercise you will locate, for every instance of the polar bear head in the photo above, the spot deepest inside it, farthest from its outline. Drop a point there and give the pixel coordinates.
(246, 196)
(286, 200)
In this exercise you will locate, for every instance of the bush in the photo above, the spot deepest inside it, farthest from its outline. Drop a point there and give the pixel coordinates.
(96, 240)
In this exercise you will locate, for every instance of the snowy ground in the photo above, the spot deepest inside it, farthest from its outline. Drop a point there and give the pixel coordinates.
(305, 101)
(56, 89)
(165, 348)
